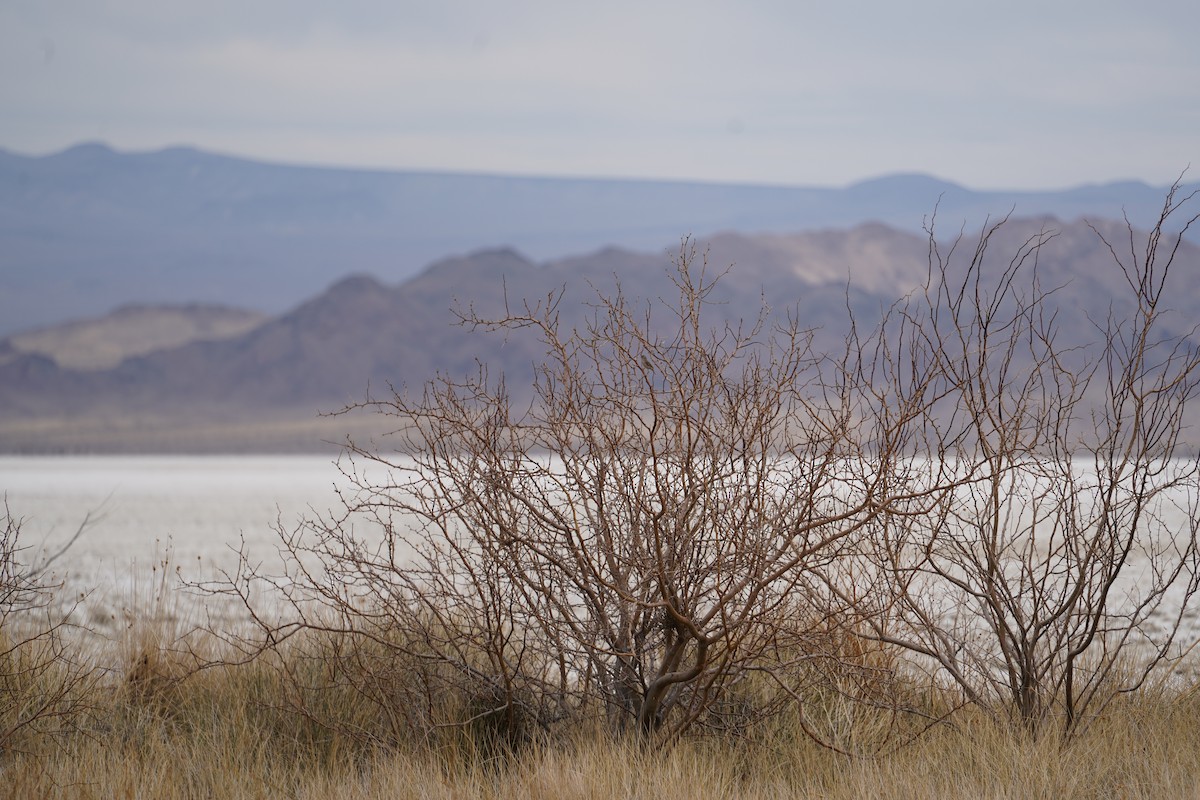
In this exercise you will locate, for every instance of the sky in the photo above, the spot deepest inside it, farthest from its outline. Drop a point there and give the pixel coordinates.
(1013, 95)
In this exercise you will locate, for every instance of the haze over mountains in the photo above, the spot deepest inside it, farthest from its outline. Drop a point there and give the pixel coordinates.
(89, 229)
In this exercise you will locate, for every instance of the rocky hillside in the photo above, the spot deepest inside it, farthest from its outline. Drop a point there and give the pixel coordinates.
(362, 337)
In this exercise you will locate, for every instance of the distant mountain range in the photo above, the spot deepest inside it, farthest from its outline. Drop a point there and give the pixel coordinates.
(260, 387)
(89, 229)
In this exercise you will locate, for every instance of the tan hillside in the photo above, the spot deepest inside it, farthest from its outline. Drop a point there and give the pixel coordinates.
(104, 342)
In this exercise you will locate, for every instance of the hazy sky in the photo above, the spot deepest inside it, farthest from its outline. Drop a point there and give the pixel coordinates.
(994, 95)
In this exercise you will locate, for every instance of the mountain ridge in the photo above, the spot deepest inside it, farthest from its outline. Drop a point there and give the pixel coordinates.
(361, 336)
(90, 228)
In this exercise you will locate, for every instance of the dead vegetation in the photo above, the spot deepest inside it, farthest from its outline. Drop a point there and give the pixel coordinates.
(45, 684)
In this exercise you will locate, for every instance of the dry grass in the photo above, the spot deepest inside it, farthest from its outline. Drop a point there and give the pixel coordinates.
(163, 716)
(1142, 753)
(155, 728)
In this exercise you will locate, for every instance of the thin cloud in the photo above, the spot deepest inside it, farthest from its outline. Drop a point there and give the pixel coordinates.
(1023, 94)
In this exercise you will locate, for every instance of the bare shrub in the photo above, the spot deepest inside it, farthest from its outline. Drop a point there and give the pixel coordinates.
(1059, 575)
(42, 678)
(663, 521)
